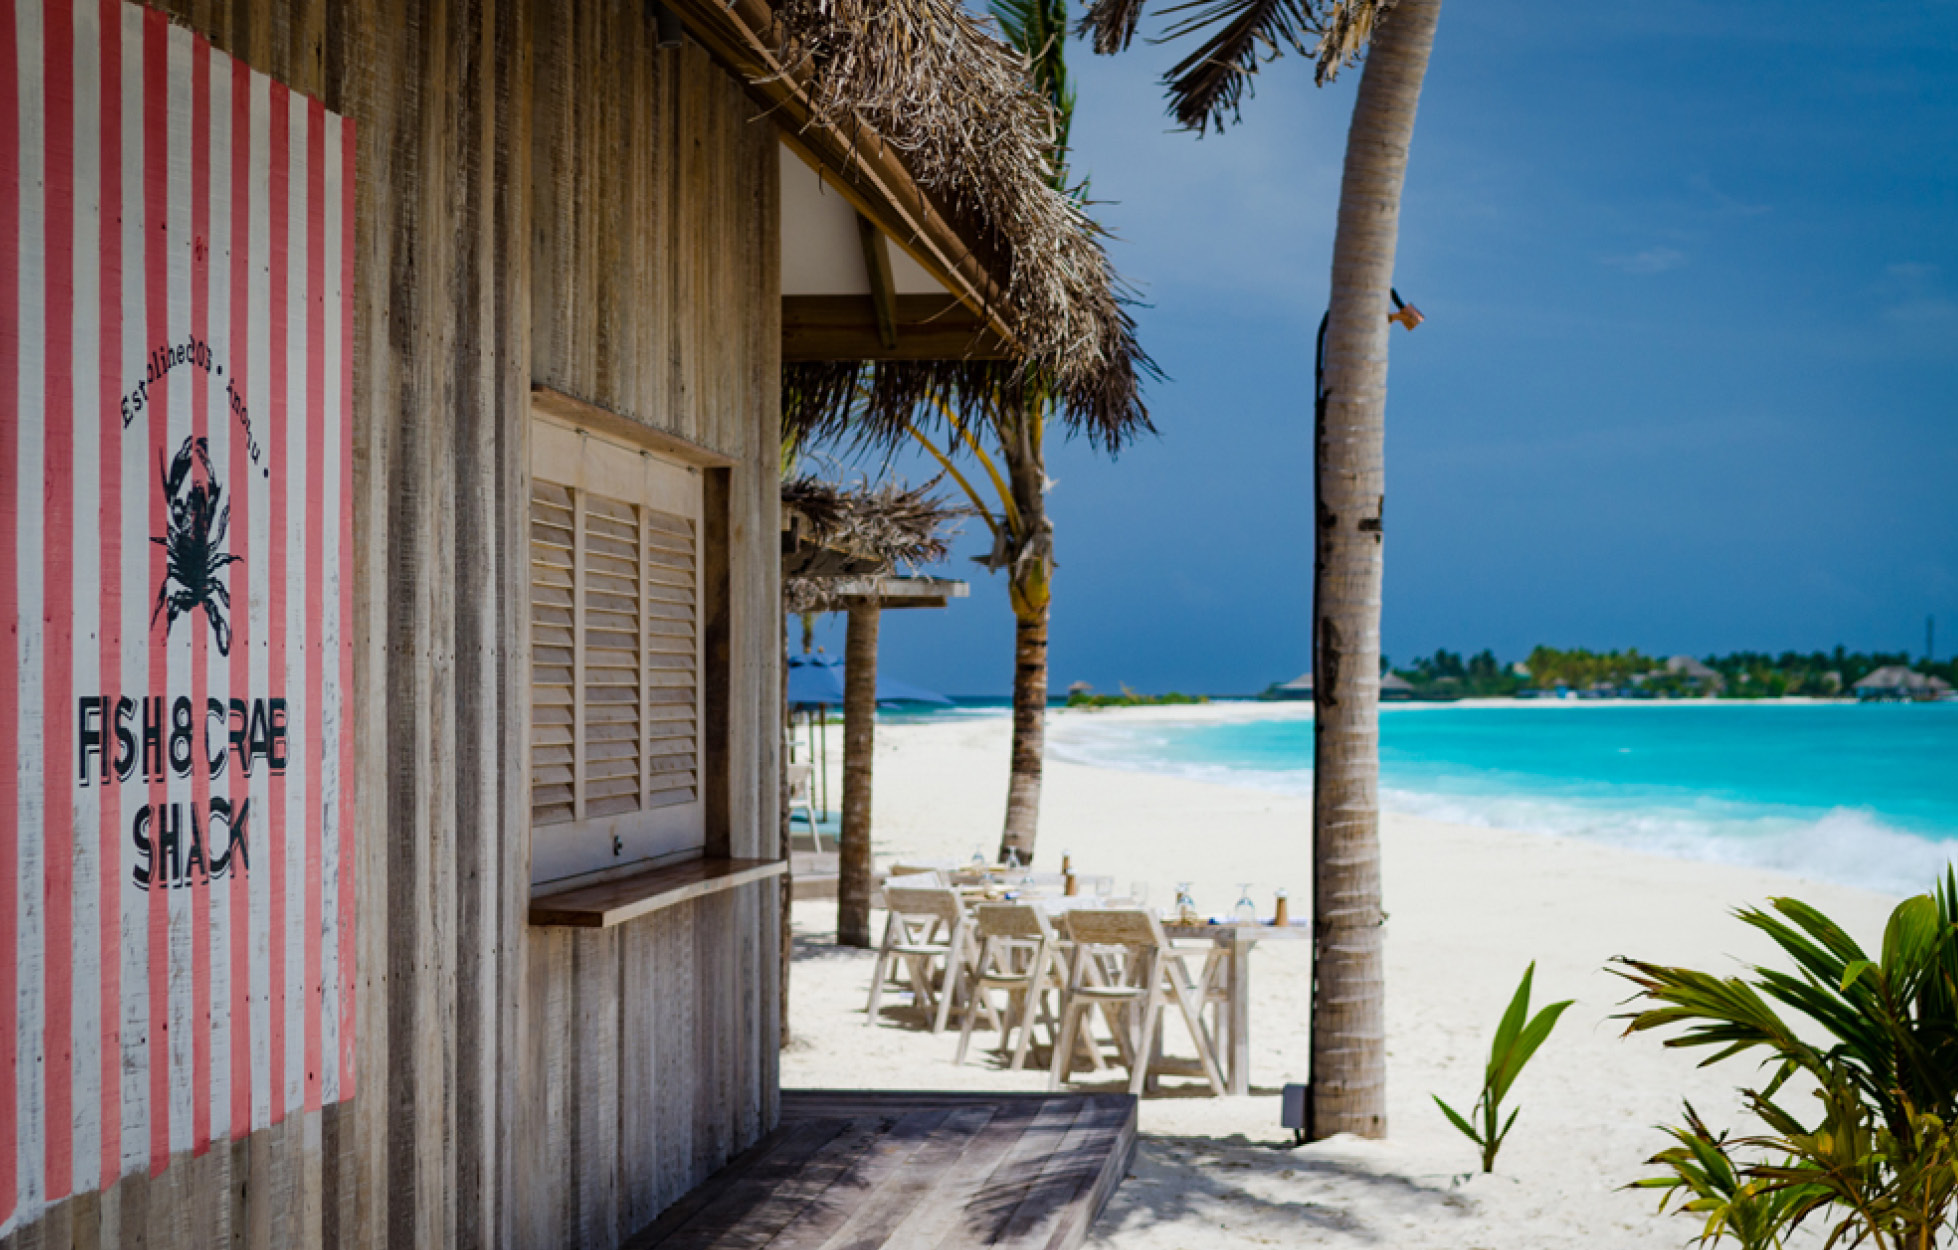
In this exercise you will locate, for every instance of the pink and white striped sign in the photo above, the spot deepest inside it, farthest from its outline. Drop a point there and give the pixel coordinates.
(176, 281)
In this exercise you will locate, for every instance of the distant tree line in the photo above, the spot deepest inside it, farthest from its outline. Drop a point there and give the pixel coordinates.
(1082, 696)
(1738, 675)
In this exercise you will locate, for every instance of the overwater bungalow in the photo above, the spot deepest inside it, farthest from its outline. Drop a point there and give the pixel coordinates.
(1395, 688)
(1299, 689)
(1898, 684)
(1696, 675)
(389, 777)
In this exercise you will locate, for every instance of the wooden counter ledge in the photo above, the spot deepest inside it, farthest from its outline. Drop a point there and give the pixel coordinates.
(626, 898)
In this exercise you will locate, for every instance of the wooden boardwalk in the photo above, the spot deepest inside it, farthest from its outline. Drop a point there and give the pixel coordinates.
(925, 1171)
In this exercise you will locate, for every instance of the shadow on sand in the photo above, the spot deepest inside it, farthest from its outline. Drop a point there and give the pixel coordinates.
(1218, 1182)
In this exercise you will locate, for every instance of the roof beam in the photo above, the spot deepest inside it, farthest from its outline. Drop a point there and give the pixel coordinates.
(899, 592)
(849, 327)
(877, 271)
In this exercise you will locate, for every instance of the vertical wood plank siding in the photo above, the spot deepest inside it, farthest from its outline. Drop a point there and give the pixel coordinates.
(545, 197)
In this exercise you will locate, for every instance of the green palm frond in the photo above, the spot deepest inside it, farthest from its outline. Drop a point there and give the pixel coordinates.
(1518, 1036)
(1210, 84)
(1875, 1033)
(1111, 24)
(1208, 87)
(1037, 29)
(1706, 1180)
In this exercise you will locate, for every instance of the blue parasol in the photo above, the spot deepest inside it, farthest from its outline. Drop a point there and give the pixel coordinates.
(817, 680)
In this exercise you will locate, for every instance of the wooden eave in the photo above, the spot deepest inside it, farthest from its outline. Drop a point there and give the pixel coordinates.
(850, 327)
(859, 165)
(900, 592)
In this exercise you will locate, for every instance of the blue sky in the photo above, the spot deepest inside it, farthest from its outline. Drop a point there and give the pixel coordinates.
(1689, 379)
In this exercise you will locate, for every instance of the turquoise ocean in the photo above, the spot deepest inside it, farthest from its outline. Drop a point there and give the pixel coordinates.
(1862, 795)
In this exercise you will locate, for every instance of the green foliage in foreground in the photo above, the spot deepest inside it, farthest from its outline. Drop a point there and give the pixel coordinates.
(1515, 1042)
(1129, 698)
(1702, 1174)
(1879, 1155)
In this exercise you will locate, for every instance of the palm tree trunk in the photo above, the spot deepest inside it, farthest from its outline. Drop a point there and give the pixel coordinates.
(1349, 1049)
(1032, 574)
(859, 742)
(1029, 735)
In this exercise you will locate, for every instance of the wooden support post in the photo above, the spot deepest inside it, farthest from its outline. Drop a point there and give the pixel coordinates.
(1239, 1008)
(859, 741)
(787, 953)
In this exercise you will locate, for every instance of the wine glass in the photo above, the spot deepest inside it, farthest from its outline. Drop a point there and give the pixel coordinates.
(1246, 911)
(1186, 904)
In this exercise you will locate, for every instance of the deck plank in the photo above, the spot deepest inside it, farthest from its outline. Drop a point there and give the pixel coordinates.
(787, 1145)
(764, 1202)
(995, 1196)
(1066, 1175)
(857, 1188)
(856, 1170)
(875, 1221)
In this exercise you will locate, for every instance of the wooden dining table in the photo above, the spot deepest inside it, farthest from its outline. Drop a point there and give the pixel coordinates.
(1233, 941)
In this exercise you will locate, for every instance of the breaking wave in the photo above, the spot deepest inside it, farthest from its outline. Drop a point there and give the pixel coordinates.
(1849, 844)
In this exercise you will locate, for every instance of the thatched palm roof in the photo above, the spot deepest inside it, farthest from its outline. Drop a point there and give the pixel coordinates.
(931, 83)
(839, 534)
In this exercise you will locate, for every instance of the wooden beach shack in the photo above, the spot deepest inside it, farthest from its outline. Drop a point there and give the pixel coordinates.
(390, 408)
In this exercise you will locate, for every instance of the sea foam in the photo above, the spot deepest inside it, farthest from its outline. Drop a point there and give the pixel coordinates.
(1845, 844)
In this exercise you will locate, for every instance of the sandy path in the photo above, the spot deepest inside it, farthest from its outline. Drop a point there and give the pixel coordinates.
(1469, 908)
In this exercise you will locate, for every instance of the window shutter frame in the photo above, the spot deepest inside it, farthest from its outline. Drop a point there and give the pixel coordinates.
(668, 566)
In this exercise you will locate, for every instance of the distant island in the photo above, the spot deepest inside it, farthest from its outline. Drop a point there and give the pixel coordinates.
(1551, 673)
(1081, 694)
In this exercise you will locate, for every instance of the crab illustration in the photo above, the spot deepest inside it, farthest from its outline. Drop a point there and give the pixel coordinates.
(194, 544)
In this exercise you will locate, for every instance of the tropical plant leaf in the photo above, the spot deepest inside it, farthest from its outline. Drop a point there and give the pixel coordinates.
(1525, 1046)
(1455, 1119)
(1909, 938)
(1207, 87)
(1517, 1038)
(1037, 30)
(1513, 1016)
(1111, 24)
(1878, 1038)
(1508, 1124)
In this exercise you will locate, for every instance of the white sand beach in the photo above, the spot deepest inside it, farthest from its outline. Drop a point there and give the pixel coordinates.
(1469, 908)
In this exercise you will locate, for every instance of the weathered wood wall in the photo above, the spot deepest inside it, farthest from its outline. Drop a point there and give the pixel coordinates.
(654, 294)
(544, 196)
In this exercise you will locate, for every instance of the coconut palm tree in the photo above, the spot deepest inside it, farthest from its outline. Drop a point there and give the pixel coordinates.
(1023, 536)
(1009, 448)
(1206, 89)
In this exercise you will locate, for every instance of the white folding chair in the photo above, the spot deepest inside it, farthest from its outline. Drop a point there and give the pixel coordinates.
(1150, 966)
(1018, 953)
(802, 802)
(917, 916)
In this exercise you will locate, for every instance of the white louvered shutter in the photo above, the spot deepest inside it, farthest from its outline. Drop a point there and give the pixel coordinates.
(615, 654)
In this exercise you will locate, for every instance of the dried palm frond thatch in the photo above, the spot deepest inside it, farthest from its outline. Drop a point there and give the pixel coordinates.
(875, 403)
(930, 79)
(875, 529)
